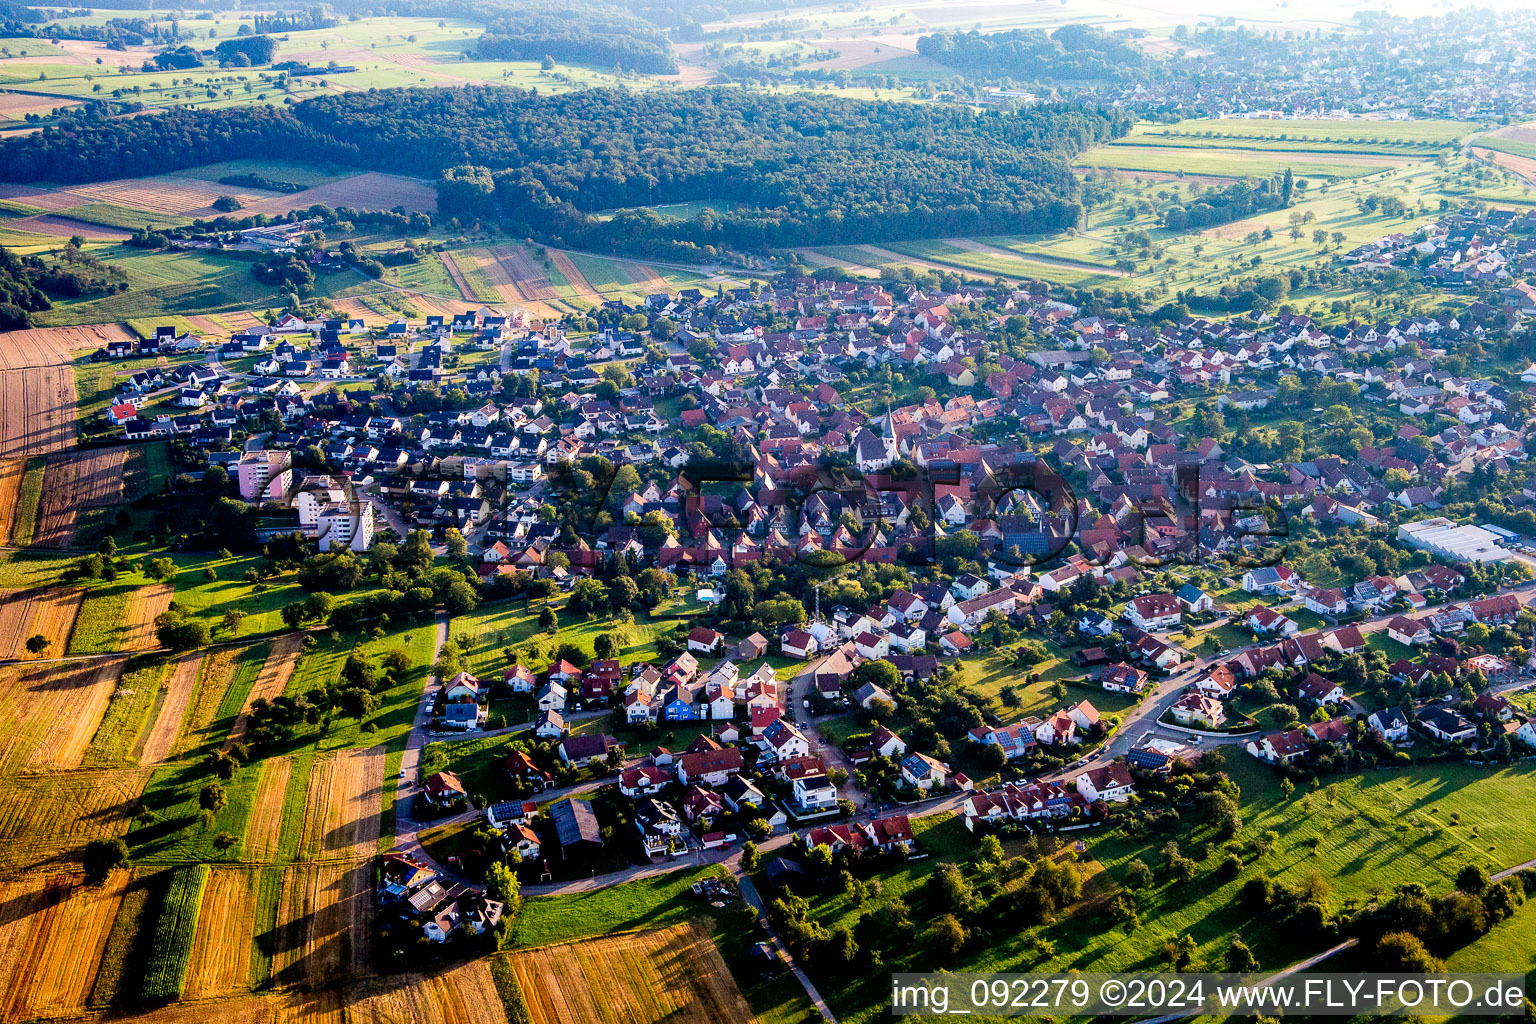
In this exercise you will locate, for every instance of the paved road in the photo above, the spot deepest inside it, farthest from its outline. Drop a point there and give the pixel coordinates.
(407, 827)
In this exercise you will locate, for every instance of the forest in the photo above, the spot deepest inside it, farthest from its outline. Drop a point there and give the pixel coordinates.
(1071, 53)
(787, 170)
(576, 32)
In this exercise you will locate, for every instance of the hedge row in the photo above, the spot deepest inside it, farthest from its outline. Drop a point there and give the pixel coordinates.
(171, 954)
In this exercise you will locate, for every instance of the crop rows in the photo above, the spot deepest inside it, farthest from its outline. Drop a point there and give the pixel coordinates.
(171, 954)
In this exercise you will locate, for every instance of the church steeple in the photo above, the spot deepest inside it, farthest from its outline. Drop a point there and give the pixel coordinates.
(888, 435)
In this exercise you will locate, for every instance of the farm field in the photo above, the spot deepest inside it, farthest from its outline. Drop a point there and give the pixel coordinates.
(37, 410)
(341, 817)
(295, 171)
(173, 194)
(45, 819)
(674, 974)
(1343, 136)
(264, 829)
(652, 902)
(368, 191)
(165, 282)
(226, 934)
(465, 994)
(49, 612)
(55, 346)
(324, 923)
(53, 930)
(53, 711)
(114, 215)
(271, 682)
(1233, 163)
(144, 603)
(171, 708)
(221, 668)
(11, 473)
(74, 482)
(1514, 139)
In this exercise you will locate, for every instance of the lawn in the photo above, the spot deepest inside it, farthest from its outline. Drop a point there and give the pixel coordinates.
(1379, 641)
(499, 624)
(652, 902)
(477, 763)
(162, 283)
(988, 673)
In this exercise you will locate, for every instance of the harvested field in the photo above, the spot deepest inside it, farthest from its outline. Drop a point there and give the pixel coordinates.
(371, 191)
(75, 481)
(265, 827)
(77, 699)
(646, 278)
(11, 472)
(323, 923)
(45, 819)
(50, 611)
(55, 346)
(463, 995)
(144, 603)
(274, 677)
(574, 275)
(516, 275)
(173, 708)
(1522, 133)
(37, 407)
(165, 193)
(457, 275)
(52, 711)
(323, 1007)
(41, 198)
(52, 933)
(226, 933)
(672, 974)
(341, 812)
(15, 106)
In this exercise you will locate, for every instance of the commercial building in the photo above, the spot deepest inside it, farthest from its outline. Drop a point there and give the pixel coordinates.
(1446, 539)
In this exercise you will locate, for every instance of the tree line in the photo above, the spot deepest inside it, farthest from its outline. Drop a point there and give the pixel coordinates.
(576, 32)
(1071, 53)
